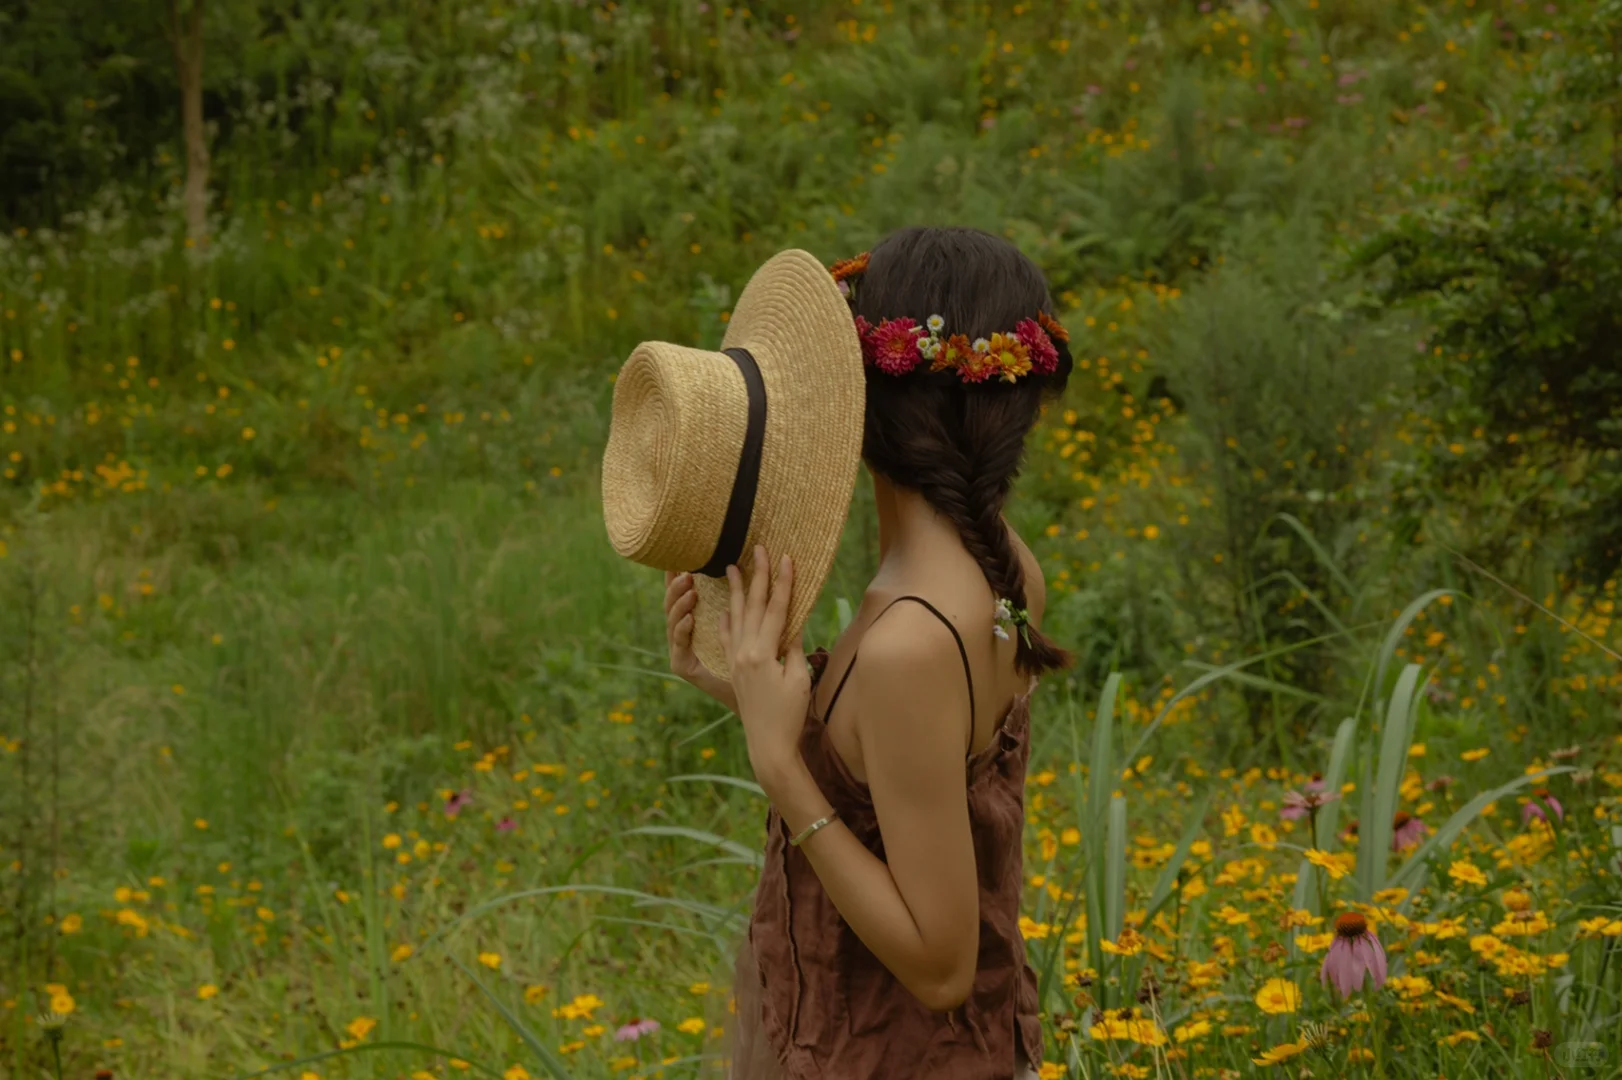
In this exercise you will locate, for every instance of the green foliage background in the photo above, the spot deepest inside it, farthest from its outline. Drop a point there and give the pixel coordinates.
(300, 524)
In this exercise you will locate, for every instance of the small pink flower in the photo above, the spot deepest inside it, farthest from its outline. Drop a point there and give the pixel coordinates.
(635, 1030)
(1044, 357)
(864, 334)
(1533, 809)
(1298, 805)
(1354, 955)
(1407, 831)
(456, 802)
(895, 346)
(506, 824)
(1441, 783)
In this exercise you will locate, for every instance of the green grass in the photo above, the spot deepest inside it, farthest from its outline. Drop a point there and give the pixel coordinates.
(330, 550)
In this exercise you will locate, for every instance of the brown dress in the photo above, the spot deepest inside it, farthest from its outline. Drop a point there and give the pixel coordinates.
(814, 1003)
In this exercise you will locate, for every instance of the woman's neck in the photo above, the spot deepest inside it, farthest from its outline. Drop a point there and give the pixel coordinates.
(910, 530)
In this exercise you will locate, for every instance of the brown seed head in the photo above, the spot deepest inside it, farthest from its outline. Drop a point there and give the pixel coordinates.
(1350, 924)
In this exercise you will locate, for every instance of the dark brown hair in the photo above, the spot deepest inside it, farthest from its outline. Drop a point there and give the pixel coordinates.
(960, 446)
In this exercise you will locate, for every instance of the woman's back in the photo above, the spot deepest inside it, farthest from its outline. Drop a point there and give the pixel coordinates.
(813, 1001)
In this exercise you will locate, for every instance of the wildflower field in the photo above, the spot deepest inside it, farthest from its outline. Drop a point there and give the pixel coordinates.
(335, 742)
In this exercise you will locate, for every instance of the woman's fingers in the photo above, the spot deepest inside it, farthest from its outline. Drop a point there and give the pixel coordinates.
(759, 585)
(777, 606)
(681, 611)
(675, 585)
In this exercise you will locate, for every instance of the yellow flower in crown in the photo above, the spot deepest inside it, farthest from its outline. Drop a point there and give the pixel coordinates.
(1009, 356)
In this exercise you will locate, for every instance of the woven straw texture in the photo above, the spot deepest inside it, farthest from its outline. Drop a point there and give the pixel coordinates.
(677, 429)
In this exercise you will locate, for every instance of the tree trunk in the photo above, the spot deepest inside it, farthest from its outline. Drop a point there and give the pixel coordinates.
(187, 39)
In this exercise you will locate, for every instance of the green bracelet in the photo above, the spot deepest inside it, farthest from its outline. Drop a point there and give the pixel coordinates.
(813, 827)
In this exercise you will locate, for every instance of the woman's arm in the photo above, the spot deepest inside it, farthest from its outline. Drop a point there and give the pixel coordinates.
(919, 911)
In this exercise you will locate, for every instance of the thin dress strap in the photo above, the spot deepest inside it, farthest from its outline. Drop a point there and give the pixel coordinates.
(961, 651)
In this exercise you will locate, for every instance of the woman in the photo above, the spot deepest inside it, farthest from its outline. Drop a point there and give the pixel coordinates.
(884, 940)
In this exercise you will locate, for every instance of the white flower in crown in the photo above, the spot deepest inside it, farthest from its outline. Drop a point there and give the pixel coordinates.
(935, 323)
(982, 345)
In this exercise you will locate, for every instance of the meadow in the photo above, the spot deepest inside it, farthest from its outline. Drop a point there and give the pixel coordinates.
(335, 742)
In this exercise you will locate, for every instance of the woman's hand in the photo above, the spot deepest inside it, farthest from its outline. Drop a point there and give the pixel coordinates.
(680, 596)
(773, 694)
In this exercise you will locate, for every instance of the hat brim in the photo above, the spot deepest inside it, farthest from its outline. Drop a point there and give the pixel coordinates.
(794, 321)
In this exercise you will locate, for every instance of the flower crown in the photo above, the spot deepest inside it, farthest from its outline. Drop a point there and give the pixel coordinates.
(899, 346)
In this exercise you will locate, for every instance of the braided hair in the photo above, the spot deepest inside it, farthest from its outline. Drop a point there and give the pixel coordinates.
(960, 446)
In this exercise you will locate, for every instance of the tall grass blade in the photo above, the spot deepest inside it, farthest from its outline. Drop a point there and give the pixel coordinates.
(708, 910)
(1393, 637)
(553, 1063)
(731, 847)
(1101, 780)
(719, 778)
(1115, 868)
(1328, 821)
(1318, 551)
(1374, 836)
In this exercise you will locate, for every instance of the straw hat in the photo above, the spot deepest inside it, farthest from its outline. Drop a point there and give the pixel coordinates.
(711, 453)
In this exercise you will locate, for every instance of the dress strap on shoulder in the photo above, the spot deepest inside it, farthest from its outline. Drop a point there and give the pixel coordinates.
(961, 651)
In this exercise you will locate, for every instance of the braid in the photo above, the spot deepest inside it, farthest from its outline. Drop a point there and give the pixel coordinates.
(1002, 447)
(972, 498)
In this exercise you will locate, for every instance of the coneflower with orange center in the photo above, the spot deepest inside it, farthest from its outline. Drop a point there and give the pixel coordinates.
(1354, 954)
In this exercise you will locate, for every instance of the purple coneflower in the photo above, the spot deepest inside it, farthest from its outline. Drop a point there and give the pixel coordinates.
(1441, 783)
(1354, 953)
(1298, 805)
(1314, 784)
(1532, 809)
(455, 803)
(635, 1030)
(506, 824)
(1407, 831)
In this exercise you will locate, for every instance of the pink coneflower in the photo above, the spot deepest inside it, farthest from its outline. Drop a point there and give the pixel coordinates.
(1315, 783)
(506, 824)
(1532, 809)
(635, 1030)
(455, 803)
(1407, 831)
(1354, 953)
(1298, 805)
(1441, 783)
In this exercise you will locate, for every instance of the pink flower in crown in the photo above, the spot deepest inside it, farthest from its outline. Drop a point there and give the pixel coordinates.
(895, 346)
(864, 334)
(1044, 357)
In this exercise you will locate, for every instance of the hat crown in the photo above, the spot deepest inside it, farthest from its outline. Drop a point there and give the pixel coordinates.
(682, 415)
